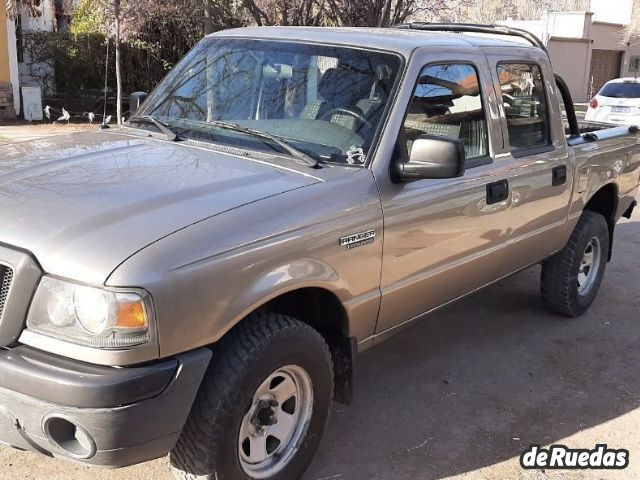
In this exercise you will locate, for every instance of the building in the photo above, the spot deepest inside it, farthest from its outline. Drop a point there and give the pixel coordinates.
(35, 19)
(20, 20)
(588, 48)
(9, 74)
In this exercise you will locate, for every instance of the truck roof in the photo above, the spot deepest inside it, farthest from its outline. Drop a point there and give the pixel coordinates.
(400, 40)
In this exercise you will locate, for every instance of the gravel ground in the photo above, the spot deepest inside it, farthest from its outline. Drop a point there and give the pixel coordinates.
(20, 132)
(461, 394)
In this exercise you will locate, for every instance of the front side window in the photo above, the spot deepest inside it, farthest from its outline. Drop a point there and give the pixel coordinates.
(324, 100)
(447, 102)
(525, 105)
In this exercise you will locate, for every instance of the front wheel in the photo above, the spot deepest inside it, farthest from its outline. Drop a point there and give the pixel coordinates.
(571, 278)
(262, 407)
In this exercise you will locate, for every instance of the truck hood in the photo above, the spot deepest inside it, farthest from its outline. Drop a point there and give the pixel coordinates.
(83, 203)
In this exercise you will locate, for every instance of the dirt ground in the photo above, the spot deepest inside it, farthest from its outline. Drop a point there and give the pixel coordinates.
(23, 131)
(461, 394)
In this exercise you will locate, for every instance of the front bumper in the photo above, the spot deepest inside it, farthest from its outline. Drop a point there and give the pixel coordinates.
(101, 416)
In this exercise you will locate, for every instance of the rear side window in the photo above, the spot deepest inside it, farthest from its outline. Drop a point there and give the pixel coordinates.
(447, 102)
(525, 105)
(621, 90)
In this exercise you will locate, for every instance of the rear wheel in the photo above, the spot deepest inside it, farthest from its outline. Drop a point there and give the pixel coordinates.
(263, 405)
(570, 279)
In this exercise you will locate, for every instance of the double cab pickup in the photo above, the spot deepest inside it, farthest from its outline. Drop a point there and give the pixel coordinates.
(198, 281)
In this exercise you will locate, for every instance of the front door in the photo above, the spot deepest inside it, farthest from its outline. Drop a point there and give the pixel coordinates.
(444, 238)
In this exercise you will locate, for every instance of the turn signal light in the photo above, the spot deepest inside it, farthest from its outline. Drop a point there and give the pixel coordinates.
(132, 315)
(593, 103)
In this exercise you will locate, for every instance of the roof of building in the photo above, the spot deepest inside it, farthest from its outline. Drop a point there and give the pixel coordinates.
(400, 40)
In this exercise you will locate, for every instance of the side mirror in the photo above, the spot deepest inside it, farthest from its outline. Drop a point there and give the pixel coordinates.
(135, 100)
(432, 156)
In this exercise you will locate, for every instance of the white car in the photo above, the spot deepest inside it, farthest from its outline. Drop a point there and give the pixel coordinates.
(618, 101)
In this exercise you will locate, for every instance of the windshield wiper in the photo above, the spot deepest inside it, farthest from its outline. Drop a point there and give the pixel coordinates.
(163, 127)
(291, 150)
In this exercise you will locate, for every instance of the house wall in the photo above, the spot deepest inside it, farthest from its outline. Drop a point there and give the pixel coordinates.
(9, 79)
(607, 36)
(5, 75)
(14, 74)
(35, 73)
(570, 58)
(566, 24)
(571, 38)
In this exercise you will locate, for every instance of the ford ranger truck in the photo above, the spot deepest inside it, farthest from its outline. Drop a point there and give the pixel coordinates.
(198, 281)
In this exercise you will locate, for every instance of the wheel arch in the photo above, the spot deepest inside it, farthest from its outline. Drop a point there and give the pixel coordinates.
(605, 202)
(323, 310)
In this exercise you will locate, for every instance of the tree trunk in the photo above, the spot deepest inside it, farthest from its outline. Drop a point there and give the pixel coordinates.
(116, 10)
(208, 19)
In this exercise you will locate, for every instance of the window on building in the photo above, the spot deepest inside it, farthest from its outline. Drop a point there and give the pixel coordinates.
(525, 105)
(447, 102)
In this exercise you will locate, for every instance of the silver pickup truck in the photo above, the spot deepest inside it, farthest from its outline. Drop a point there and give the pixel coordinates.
(199, 281)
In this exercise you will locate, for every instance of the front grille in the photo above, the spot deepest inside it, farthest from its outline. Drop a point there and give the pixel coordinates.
(6, 277)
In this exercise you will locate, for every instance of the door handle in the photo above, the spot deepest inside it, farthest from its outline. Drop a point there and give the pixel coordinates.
(497, 192)
(559, 175)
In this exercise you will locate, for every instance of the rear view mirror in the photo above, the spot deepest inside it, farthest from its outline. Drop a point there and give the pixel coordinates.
(433, 156)
(279, 71)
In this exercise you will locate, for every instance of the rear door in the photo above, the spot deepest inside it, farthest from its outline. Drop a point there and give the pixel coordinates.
(538, 162)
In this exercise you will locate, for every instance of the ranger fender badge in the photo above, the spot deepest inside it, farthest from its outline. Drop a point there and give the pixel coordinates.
(358, 239)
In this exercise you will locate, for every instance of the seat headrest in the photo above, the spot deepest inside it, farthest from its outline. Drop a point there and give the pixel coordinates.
(341, 87)
(329, 83)
(383, 73)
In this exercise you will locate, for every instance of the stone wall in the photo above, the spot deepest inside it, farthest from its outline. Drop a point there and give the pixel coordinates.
(7, 110)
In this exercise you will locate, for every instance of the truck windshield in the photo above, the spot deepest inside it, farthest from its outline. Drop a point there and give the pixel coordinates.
(621, 90)
(324, 101)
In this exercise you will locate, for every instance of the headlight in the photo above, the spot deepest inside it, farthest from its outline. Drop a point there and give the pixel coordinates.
(90, 316)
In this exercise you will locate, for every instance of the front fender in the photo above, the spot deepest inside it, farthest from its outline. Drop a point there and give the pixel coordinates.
(303, 273)
(208, 277)
(280, 280)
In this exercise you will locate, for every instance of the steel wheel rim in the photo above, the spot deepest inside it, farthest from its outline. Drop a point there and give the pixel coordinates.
(589, 266)
(276, 422)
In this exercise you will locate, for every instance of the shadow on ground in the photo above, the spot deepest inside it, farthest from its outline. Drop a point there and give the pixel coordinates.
(476, 383)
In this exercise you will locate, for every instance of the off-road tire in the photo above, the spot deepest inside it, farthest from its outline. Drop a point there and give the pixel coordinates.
(208, 446)
(559, 278)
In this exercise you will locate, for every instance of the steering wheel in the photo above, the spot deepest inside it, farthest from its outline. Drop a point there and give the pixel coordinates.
(346, 111)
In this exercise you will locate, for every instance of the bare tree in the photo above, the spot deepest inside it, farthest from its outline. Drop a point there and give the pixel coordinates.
(372, 13)
(116, 21)
(488, 11)
(633, 29)
(207, 17)
(285, 12)
(349, 13)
